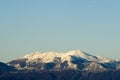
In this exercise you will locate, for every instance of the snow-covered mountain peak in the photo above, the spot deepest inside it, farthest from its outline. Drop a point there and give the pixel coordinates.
(50, 56)
(74, 59)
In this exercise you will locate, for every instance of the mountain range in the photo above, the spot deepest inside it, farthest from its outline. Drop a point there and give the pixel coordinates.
(76, 59)
(77, 64)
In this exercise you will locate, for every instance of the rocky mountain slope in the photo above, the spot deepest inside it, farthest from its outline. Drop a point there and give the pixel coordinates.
(5, 68)
(72, 65)
(76, 60)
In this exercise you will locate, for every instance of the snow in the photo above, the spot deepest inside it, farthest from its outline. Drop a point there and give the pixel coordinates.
(50, 56)
(75, 59)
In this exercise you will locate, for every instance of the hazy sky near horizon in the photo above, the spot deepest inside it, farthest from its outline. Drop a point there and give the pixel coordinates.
(27, 26)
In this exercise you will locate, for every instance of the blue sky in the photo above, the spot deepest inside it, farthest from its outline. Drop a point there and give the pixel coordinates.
(27, 26)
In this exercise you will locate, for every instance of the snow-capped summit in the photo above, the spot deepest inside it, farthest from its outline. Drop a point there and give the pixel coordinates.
(49, 56)
(74, 59)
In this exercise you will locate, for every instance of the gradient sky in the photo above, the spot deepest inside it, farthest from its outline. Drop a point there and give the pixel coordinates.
(28, 26)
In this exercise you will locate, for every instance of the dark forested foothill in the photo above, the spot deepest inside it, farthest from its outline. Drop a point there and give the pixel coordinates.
(62, 75)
